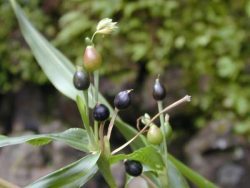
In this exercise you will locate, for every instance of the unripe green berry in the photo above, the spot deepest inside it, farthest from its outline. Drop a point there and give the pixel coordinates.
(154, 135)
(91, 59)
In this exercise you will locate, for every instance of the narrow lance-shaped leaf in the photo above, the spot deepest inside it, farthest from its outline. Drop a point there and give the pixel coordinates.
(73, 175)
(57, 67)
(175, 178)
(60, 70)
(74, 137)
(191, 175)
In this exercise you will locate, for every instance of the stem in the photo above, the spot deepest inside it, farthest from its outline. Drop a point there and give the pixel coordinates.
(93, 36)
(111, 124)
(164, 144)
(96, 130)
(160, 108)
(96, 91)
(86, 97)
(84, 111)
(187, 98)
(104, 167)
(101, 135)
(190, 174)
(96, 84)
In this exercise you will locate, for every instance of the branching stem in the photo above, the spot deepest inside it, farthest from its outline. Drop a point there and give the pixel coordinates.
(187, 98)
(111, 124)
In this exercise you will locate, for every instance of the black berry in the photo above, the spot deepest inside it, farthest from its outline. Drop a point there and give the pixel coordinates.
(133, 168)
(159, 92)
(100, 112)
(122, 100)
(81, 80)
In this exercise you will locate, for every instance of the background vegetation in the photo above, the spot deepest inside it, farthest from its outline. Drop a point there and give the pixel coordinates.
(199, 47)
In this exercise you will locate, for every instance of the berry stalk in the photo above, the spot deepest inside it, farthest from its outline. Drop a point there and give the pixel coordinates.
(96, 85)
(164, 144)
(111, 124)
(187, 98)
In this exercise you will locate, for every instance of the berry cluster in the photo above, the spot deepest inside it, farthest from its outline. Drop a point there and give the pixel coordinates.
(156, 135)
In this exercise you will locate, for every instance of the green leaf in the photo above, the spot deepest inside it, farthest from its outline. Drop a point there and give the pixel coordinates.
(104, 167)
(57, 67)
(73, 175)
(39, 141)
(176, 180)
(60, 70)
(148, 156)
(193, 176)
(84, 114)
(74, 137)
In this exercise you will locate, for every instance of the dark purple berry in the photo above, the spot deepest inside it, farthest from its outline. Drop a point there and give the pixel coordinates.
(81, 80)
(133, 168)
(122, 100)
(100, 112)
(159, 92)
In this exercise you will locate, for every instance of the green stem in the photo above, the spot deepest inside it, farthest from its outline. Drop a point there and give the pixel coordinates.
(111, 123)
(93, 36)
(96, 130)
(193, 176)
(96, 86)
(164, 144)
(86, 97)
(104, 167)
(83, 109)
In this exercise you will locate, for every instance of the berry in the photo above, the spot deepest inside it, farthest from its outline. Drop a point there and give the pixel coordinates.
(154, 135)
(159, 92)
(133, 168)
(81, 80)
(91, 59)
(122, 100)
(100, 112)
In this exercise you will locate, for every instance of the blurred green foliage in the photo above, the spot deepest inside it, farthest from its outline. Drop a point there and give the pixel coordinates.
(208, 41)
(17, 63)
